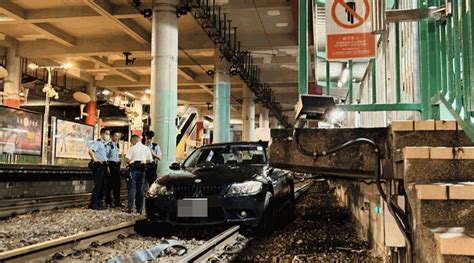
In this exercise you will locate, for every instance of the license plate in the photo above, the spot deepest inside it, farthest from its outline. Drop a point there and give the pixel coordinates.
(195, 207)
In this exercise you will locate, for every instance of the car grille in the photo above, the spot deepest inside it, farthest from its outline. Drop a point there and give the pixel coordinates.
(184, 191)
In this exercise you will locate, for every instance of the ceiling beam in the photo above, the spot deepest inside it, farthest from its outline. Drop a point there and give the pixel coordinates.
(186, 73)
(105, 8)
(13, 11)
(144, 81)
(123, 73)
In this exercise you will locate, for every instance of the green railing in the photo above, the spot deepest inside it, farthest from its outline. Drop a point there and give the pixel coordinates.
(446, 63)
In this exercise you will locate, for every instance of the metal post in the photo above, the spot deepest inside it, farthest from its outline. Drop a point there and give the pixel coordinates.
(328, 78)
(221, 125)
(44, 150)
(350, 82)
(373, 76)
(303, 46)
(53, 140)
(248, 115)
(164, 79)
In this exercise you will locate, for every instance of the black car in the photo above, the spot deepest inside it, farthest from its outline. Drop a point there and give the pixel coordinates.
(222, 183)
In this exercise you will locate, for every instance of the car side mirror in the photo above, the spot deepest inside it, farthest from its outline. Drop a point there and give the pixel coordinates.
(175, 166)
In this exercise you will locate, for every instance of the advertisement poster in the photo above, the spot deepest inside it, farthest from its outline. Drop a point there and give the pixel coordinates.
(72, 139)
(20, 131)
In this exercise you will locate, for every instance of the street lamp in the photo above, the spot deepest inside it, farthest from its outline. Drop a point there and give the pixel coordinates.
(50, 92)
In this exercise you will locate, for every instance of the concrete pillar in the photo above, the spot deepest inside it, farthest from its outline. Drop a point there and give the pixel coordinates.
(164, 80)
(91, 107)
(13, 85)
(264, 120)
(248, 115)
(221, 125)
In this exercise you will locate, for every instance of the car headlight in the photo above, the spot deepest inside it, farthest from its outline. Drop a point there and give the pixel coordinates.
(157, 189)
(245, 188)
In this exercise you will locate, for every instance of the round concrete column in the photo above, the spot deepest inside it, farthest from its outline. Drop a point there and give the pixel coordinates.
(248, 115)
(12, 86)
(221, 125)
(264, 121)
(164, 80)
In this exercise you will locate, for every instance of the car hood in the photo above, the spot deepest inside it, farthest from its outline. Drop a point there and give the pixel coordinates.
(215, 175)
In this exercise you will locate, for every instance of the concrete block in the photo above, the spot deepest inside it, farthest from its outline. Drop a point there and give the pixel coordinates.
(441, 153)
(462, 191)
(431, 192)
(455, 241)
(402, 126)
(416, 152)
(428, 125)
(466, 153)
(445, 125)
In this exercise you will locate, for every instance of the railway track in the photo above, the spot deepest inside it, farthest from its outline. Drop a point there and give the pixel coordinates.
(212, 248)
(75, 242)
(17, 206)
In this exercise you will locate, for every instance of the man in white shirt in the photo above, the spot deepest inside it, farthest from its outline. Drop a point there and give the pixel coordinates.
(137, 157)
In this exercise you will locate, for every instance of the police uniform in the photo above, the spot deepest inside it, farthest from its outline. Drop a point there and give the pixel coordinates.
(113, 183)
(138, 155)
(99, 171)
(152, 167)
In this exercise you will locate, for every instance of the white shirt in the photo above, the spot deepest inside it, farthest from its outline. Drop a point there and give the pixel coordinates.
(139, 153)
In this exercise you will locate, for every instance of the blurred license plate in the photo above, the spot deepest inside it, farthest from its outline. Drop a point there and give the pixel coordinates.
(195, 207)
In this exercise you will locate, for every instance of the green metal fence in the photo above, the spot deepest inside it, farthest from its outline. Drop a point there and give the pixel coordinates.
(447, 63)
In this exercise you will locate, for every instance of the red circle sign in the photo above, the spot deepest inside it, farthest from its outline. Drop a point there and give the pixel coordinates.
(360, 19)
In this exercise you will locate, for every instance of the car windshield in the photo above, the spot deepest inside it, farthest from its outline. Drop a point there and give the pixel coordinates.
(227, 155)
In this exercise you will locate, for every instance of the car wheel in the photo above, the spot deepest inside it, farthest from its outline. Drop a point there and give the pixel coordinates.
(267, 221)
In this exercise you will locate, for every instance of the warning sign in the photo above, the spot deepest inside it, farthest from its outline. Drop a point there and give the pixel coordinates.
(349, 30)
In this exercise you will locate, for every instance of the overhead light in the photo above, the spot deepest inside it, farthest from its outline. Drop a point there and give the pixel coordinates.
(281, 24)
(129, 94)
(67, 66)
(339, 84)
(273, 13)
(145, 98)
(148, 91)
(106, 92)
(22, 94)
(33, 66)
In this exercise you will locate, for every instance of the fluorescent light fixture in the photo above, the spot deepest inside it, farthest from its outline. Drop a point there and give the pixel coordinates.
(345, 75)
(106, 92)
(281, 24)
(33, 66)
(129, 94)
(148, 91)
(273, 13)
(67, 66)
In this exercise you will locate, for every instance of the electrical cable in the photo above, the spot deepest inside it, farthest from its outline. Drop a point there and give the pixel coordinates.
(395, 211)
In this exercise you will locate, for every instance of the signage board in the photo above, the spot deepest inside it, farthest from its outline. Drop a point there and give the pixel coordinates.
(349, 30)
(20, 131)
(72, 139)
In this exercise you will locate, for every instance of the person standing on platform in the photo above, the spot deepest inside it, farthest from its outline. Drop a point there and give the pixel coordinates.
(98, 152)
(113, 183)
(137, 157)
(151, 172)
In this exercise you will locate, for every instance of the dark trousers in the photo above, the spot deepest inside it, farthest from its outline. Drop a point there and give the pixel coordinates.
(113, 184)
(151, 173)
(136, 189)
(99, 172)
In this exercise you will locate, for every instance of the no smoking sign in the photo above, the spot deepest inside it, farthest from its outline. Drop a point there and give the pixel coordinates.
(349, 30)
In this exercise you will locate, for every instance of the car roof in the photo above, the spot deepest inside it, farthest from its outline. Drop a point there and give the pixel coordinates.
(259, 143)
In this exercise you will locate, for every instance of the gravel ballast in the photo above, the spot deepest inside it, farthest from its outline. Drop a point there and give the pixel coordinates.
(29, 229)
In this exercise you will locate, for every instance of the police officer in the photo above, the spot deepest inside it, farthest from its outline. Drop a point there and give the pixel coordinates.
(137, 157)
(113, 183)
(156, 154)
(98, 152)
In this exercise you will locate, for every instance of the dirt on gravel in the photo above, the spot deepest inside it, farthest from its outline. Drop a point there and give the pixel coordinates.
(323, 231)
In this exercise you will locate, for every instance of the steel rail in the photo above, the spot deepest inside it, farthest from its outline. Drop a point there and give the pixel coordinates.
(78, 241)
(202, 253)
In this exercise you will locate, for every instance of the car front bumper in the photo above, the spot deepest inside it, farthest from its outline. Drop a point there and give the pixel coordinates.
(221, 209)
